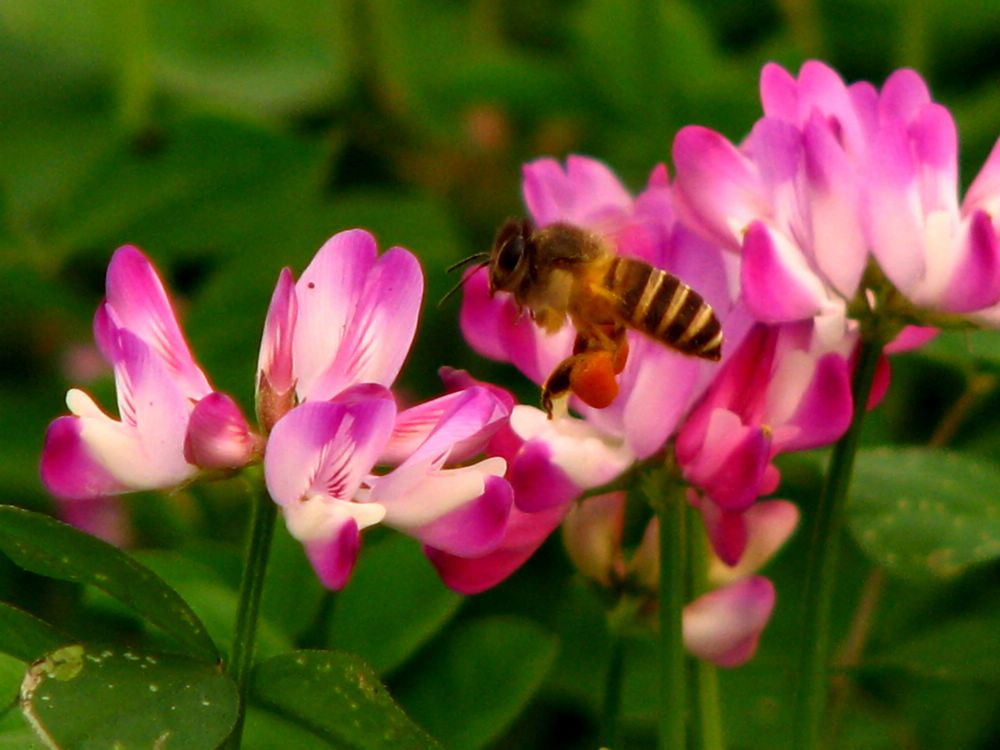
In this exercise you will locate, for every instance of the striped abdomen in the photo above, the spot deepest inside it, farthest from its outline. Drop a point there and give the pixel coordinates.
(663, 307)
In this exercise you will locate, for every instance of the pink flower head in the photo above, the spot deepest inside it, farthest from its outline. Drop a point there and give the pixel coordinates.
(172, 424)
(832, 173)
(658, 384)
(784, 389)
(723, 625)
(333, 343)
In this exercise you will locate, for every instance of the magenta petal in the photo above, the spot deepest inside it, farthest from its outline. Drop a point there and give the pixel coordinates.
(825, 409)
(975, 280)
(724, 626)
(904, 94)
(778, 284)
(333, 558)
(717, 189)
(218, 436)
(732, 462)
(779, 93)
(911, 337)
(727, 531)
(524, 534)
(68, 470)
(136, 300)
(327, 449)
(474, 528)
(538, 483)
(103, 517)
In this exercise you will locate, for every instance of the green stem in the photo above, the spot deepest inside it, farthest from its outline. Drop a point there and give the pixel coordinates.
(707, 714)
(612, 699)
(667, 496)
(822, 565)
(129, 25)
(258, 549)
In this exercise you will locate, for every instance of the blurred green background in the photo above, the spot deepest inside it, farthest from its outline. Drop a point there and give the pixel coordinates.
(230, 138)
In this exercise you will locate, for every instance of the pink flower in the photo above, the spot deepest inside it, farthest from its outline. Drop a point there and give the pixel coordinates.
(172, 424)
(333, 343)
(723, 625)
(831, 174)
(658, 384)
(785, 389)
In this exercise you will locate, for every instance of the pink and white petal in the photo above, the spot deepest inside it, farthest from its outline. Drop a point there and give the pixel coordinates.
(975, 279)
(592, 535)
(935, 146)
(326, 449)
(68, 468)
(822, 90)
(137, 301)
(833, 199)
(587, 193)
(778, 284)
(776, 149)
(380, 326)
(470, 528)
(275, 361)
(717, 189)
(330, 536)
(218, 435)
(731, 462)
(894, 215)
(524, 534)
(538, 483)
(472, 416)
(769, 525)
(984, 192)
(724, 626)
(587, 456)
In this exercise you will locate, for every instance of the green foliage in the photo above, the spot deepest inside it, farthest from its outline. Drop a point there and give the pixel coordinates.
(394, 604)
(473, 683)
(925, 514)
(42, 545)
(339, 698)
(99, 697)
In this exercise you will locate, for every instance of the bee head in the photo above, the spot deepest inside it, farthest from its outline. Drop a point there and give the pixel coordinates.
(509, 259)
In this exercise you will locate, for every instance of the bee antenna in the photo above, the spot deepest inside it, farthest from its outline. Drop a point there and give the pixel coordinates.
(466, 261)
(461, 281)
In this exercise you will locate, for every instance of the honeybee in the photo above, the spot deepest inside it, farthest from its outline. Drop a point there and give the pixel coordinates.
(561, 271)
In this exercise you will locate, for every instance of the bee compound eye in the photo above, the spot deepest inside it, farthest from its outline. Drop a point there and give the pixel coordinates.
(510, 254)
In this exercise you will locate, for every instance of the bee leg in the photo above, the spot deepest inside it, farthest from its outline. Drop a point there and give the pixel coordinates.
(556, 387)
(589, 374)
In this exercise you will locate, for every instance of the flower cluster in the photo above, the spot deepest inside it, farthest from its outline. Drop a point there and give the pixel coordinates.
(841, 203)
(333, 343)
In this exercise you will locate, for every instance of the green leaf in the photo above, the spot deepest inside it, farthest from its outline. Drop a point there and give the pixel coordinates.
(477, 679)
(48, 547)
(338, 697)
(24, 636)
(960, 649)
(84, 697)
(925, 514)
(394, 604)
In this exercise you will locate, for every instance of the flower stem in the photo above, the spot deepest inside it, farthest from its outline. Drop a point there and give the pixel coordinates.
(822, 565)
(251, 587)
(129, 24)
(707, 724)
(667, 496)
(612, 699)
